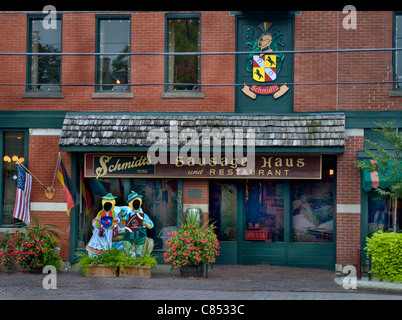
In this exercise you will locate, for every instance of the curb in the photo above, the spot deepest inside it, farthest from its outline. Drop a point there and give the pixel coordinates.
(370, 285)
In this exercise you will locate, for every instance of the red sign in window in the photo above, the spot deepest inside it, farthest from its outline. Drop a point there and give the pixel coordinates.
(256, 235)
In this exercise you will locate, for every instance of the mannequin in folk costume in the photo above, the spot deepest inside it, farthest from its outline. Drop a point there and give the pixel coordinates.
(135, 239)
(105, 224)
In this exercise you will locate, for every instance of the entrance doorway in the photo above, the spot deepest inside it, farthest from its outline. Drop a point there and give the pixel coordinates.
(224, 213)
(278, 222)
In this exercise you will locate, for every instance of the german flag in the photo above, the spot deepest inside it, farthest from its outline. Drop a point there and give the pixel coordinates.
(72, 196)
(85, 193)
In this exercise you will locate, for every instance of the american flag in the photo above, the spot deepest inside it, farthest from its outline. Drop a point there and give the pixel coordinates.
(22, 205)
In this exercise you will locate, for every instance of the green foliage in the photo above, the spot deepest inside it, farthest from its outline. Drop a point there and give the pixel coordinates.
(386, 259)
(137, 261)
(113, 258)
(34, 249)
(192, 243)
(387, 161)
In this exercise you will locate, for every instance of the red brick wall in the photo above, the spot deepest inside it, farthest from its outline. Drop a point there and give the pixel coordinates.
(318, 30)
(13, 68)
(348, 195)
(43, 152)
(313, 30)
(147, 35)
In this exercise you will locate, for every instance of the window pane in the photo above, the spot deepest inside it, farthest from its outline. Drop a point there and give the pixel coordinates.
(380, 213)
(264, 210)
(114, 36)
(223, 209)
(13, 146)
(184, 36)
(313, 207)
(45, 71)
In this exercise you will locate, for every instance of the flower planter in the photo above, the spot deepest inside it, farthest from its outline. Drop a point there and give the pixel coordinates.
(139, 272)
(101, 270)
(192, 270)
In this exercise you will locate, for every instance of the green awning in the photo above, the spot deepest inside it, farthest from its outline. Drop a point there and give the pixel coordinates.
(373, 180)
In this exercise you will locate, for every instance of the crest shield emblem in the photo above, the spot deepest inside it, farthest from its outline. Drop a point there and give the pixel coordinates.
(264, 67)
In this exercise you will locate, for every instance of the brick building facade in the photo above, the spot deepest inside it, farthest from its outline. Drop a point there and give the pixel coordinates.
(345, 85)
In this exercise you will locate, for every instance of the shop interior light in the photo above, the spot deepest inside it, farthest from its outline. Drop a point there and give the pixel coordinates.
(14, 158)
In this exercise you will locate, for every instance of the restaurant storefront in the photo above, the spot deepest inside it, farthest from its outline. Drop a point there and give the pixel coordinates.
(281, 211)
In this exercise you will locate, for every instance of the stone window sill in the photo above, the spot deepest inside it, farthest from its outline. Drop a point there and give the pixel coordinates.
(42, 94)
(112, 95)
(183, 94)
(396, 93)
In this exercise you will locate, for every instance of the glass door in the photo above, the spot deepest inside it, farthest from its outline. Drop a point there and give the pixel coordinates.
(264, 201)
(224, 214)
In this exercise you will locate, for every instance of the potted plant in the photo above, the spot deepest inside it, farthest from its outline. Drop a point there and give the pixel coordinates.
(192, 246)
(115, 262)
(34, 248)
(105, 264)
(137, 266)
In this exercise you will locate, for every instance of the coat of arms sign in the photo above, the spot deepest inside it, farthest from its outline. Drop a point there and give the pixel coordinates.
(264, 64)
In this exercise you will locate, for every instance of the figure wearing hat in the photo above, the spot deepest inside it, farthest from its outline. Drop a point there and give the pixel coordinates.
(104, 225)
(136, 227)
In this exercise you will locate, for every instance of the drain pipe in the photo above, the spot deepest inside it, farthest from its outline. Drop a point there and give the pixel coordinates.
(359, 263)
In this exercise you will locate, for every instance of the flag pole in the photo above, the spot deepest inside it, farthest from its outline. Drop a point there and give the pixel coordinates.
(25, 168)
(56, 170)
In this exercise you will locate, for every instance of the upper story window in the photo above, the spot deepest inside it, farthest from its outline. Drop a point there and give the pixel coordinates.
(113, 36)
(183, 35)
(44, 71)
(398, 54)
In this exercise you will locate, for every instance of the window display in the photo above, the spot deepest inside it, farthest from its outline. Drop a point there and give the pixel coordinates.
(160, 204)
(14, 148)
(264, 210)
(313, 207)
(380, 211)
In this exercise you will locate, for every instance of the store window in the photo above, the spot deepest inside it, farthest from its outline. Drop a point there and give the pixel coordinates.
(264, 210)
(159, 203)
(380, 213)
(313, 207)
(44, 71)
(183, 36)
(14, 146)
(113, 70)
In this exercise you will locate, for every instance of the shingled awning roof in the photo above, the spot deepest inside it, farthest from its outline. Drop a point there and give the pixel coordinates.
(131, 129)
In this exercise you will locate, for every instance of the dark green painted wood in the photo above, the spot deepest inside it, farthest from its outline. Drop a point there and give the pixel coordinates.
(228, 252)
(32, 119)
(261, 252)
(264, 104)
(365, 119)
(313, 255)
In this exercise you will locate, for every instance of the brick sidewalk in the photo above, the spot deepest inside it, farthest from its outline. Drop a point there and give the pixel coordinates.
(225, 282)
(221, 277)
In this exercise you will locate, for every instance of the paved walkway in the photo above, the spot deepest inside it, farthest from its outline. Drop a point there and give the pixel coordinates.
(227, 282)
